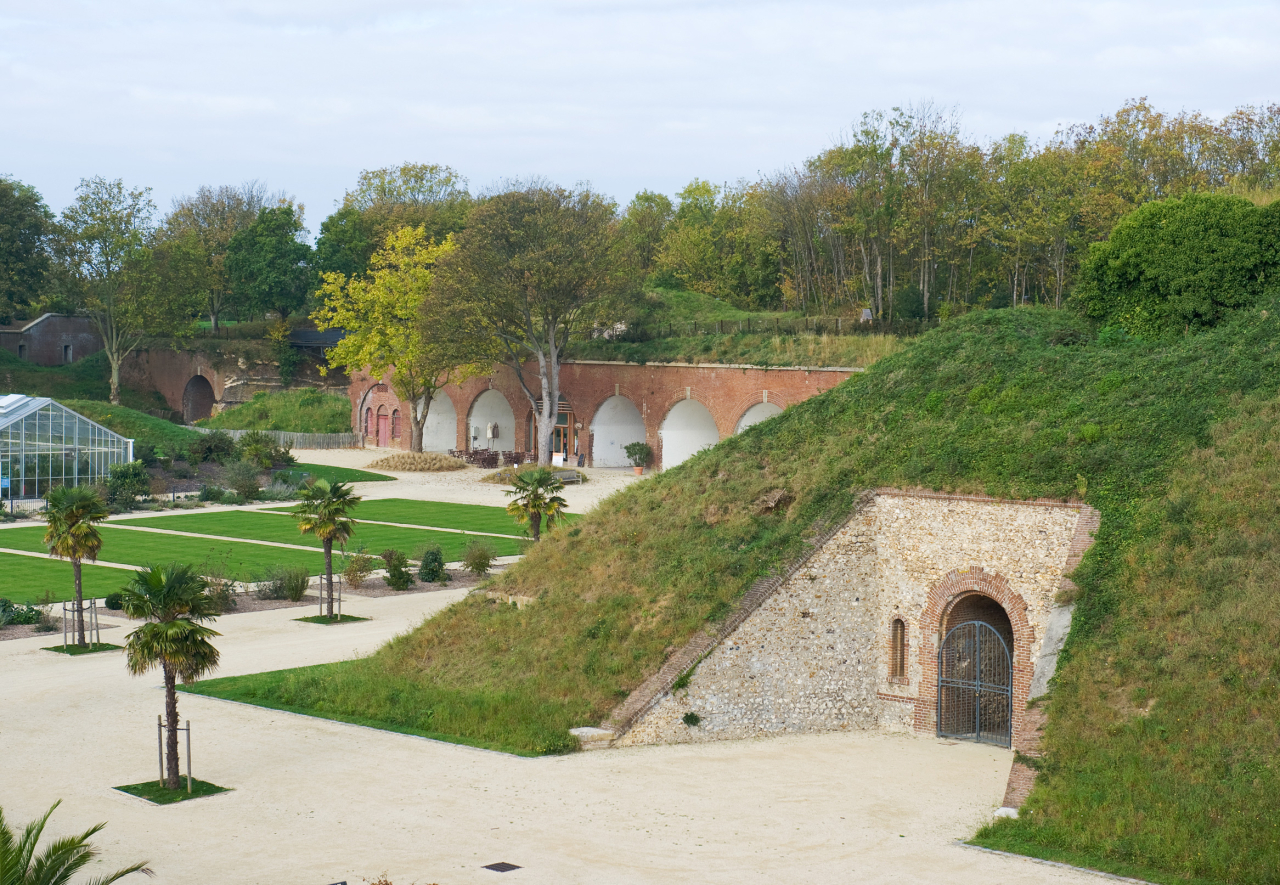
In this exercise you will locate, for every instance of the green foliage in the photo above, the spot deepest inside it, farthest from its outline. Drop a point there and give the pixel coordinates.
(534, 497)
(25, 225)
(243, 478)
(357, 568)
(164, 437)
(216, 446)
(1180, 265)
(399, 577)
(88, 378)
(211, 494)
(127, 483)
(478, 557)
(285, 582)
(266, 263)
(60, 860)
(18, 614)
(299, 411)
(113, 601)
(346, 243)
(157, 794)
(638, 453)
(262, 451)
(431, 565)
(309, 472)
(691, 719)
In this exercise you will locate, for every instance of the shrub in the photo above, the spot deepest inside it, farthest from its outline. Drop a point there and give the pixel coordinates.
(358, 567)
(279, 491)
(418, 462)
(691, 719)
(115, 601)
(242, 478)
(639, 453)
(285, 582)
(262, 450)
(181, 470)
(398, 575)
(216, 446)
(12, 613)
(212, 494)
(431, 565)
(127, 483)
(478, 557)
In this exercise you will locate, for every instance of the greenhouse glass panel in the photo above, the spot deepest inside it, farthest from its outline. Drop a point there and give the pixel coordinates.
(44, 444)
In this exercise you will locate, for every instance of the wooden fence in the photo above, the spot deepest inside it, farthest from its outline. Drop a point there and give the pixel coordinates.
(291, 440)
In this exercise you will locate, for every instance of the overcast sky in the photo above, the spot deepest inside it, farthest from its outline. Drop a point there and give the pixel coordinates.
(625, 95)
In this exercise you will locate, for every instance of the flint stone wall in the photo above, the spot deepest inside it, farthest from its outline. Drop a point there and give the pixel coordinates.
(814, 656)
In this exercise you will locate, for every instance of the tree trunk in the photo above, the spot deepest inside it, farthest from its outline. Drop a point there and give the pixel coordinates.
(549, 375)
(213, 320)
(418, 421)
(75, 568)
(535, 526)
(328, 572)
(171, 727)
(115, 378)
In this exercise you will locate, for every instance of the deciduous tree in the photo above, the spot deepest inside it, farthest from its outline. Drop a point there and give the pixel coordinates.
(267, 262)
(25, 225)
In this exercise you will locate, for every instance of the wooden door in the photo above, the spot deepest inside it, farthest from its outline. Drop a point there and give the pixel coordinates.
(384, 429)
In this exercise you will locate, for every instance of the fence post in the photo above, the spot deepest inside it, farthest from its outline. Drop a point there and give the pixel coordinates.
(188, 757)
(160, 746)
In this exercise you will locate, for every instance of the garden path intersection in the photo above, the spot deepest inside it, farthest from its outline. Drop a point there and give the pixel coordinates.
(315, 801)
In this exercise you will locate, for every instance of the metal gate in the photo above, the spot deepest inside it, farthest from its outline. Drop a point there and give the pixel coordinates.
(975, 685)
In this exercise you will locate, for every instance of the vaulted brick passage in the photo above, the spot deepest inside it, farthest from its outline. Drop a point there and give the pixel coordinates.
(197, 399)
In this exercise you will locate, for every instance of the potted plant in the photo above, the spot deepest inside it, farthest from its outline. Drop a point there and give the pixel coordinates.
(640, 455)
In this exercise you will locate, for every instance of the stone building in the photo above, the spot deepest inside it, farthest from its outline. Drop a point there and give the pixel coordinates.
(51, 339)
(676, 408)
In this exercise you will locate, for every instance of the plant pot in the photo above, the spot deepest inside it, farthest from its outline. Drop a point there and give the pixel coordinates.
(639, 471)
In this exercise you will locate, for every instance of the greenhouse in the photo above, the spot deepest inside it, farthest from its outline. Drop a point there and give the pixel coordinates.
(44, 444)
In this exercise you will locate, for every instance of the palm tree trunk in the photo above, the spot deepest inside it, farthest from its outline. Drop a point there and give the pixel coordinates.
(75, 568)
(535, 525)
(328, 572)
(171, 727)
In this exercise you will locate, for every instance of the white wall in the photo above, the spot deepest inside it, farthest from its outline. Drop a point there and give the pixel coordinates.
(441, 431)
(616, 424)
(757, 413)
(488, 407)
(687, 430)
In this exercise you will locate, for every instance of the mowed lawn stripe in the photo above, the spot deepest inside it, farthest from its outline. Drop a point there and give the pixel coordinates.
(243, 562)
(28, 578)
(278, 528)
(467, 517)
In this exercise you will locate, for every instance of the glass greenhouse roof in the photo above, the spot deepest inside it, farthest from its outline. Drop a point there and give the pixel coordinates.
(43, 444)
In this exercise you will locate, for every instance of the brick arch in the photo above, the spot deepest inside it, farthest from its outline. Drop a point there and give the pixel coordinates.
(674, 399)
(755, 398)
(943, 597)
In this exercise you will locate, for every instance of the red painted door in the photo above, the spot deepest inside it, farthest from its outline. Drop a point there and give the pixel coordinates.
(384, 430)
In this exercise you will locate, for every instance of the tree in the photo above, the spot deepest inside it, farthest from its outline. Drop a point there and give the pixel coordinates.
(104, 244)
(533, 269)
(643, 227)
(213, 216)
(267, 263)
(535, 497)
(324, 510)
(173, 602)
(60, 860)
(396, 321)
(72, 515)
(345, 244)
(25, 225)
(425, 195)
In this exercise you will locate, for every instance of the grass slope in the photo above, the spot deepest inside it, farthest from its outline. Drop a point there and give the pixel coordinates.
(1018, 403)
(744, 348)
(166, 436)
(88, 378)
(27, 580)
(298, 411)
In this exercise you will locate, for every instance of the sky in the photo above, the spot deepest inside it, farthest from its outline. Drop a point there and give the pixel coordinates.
(622, 95)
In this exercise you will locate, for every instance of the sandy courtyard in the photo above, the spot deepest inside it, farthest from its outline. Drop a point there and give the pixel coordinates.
(319, 802)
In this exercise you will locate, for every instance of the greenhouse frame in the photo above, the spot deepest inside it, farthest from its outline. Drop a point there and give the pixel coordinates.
(44, 444)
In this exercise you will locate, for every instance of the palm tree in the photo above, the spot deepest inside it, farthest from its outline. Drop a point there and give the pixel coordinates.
(173, 601)
(324, 510)
(536, 497)
(71, 514)
(60, 860)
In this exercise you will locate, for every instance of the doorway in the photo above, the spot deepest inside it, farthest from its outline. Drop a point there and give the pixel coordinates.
(384, 427)
(975, 673)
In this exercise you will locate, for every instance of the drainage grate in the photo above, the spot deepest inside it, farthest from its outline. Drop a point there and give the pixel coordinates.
(500, 867)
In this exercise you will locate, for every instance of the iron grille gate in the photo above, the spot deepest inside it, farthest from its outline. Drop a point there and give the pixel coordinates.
(975, 685)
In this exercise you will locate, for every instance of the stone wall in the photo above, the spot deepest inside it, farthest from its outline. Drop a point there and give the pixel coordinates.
(814, 656)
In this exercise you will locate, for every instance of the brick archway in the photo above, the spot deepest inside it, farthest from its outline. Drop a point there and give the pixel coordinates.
(955, 586)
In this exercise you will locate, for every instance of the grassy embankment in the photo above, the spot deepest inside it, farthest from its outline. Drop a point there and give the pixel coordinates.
(297, 411)
(168, 438)
(1019, 403)
(86, 379)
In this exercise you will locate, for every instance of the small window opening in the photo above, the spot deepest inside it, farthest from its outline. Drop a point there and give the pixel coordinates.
(66, 353)
(22, 351)
(898, 651)
(395, 424)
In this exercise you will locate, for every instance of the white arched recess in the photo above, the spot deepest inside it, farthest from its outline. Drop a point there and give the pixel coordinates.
(616, 425)
(491, 407)
(757, 413)
(687, 430)
(440, 434)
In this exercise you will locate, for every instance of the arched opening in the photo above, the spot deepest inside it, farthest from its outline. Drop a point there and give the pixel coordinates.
(617, 424)
(491, 424)
(368, 422)
(898, 651)
(757, 413)
(384, 427)
(440, 433)
(197, 399)
(687, 430)
(975, 672)
(395, 424)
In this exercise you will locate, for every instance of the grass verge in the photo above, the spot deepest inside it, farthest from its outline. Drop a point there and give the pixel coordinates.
(156, 794)
(300, 472)
(297, 411)
(91, 648)
(328, 621)
(1086, 861)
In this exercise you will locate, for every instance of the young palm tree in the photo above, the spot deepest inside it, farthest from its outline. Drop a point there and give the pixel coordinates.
(324, 510)
(173, 601)
(60, 860)
(72, 534)
(536, 497)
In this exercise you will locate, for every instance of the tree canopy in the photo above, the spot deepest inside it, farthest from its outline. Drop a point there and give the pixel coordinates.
(25, 225)
(268, 263)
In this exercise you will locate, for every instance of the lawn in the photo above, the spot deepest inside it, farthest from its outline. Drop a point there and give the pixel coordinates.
(467, 517)
(27, 579)
(280, 527)
(242, 561)
(332, 474)
(153, 792)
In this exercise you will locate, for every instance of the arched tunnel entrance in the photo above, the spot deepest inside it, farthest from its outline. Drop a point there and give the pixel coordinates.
(197, 399)
(975, 672)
